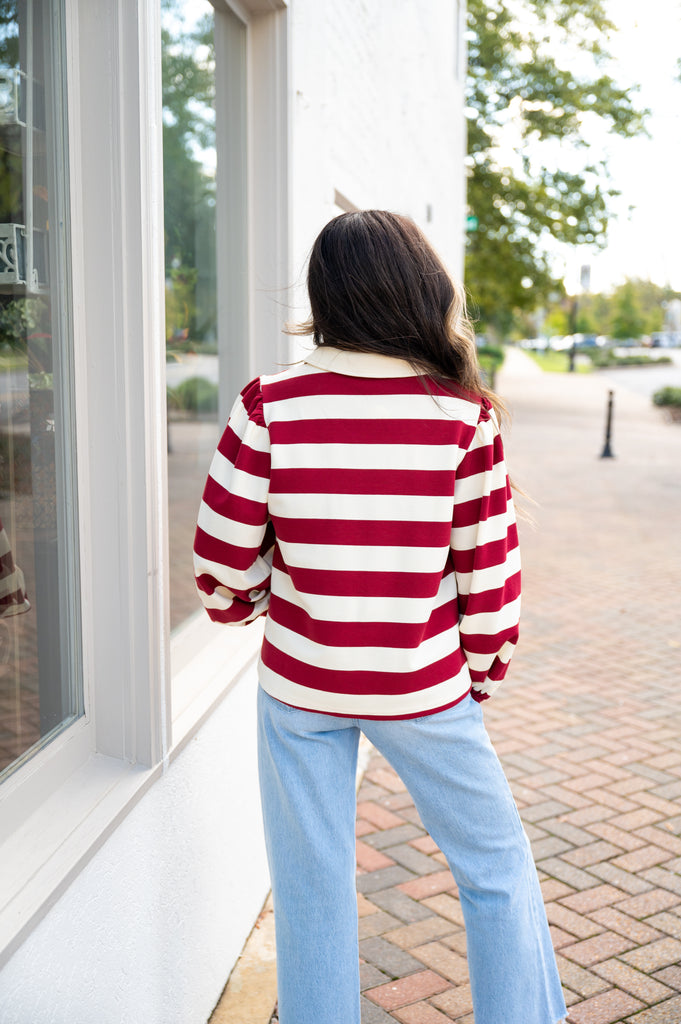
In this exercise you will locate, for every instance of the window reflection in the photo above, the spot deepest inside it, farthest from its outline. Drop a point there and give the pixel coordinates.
(38, 686)
(189, 157)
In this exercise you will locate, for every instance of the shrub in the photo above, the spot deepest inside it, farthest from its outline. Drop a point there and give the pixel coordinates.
(643, 361)
(490, 358)
(196, 394)
(605, 357)
(669, 397)
(491, 354)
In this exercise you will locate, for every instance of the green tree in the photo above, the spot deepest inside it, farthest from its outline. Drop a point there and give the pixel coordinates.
(556, 321)
(645, 298)
(11, 162)
(599, 307)
(584, 321)
(9, 33)
(537, 71)
(628, 318)
(650, 298)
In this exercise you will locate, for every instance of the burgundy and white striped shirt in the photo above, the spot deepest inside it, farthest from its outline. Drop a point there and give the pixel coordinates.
(373, 522)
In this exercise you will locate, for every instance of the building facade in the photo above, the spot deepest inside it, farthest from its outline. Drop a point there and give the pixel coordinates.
(164, 168)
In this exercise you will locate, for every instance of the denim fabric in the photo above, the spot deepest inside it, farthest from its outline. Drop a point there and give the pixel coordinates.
(307, 780)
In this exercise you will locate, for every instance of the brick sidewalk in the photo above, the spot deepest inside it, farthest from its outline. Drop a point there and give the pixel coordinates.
(588, 727)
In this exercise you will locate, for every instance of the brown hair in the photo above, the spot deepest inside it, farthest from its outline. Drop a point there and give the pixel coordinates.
(376, 285)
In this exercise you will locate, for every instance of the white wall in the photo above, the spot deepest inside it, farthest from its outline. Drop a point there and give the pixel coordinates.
(150, 930)
(378, 115)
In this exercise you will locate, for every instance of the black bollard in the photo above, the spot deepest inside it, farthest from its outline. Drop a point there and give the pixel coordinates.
(572, 352)
(607, 452)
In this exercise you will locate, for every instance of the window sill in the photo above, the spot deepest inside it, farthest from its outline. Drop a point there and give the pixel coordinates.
(45, 853)
(207, 660)
(42, 857)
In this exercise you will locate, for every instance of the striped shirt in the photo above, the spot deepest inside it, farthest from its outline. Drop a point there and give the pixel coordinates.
(373, 522)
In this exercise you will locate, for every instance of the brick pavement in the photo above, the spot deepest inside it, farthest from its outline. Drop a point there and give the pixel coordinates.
(191, 443)
(588, 726)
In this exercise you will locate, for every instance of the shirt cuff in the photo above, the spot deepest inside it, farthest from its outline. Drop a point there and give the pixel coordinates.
(478, 696)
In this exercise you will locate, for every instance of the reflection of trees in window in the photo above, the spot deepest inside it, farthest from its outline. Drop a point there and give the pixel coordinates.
(39, 682)
(9, 34)
(11, 199)
(189, 171)
(188, 68)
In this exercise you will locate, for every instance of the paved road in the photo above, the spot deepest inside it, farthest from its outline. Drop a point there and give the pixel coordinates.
(645, 380)
(191, 365)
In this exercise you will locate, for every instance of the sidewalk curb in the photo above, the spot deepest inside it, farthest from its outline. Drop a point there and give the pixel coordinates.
(251, 990)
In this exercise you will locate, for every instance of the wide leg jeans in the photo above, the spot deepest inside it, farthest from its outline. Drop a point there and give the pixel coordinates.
(307, 767)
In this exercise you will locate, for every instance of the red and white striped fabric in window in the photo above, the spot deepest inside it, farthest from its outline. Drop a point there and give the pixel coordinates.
(373, 522)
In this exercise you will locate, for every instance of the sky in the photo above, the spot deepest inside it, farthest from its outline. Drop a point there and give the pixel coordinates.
(644, 238)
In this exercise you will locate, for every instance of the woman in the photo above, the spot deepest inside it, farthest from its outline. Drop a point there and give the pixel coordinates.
(360, 499)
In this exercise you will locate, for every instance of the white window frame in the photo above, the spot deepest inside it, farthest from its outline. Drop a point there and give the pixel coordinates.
(206, 658)
(61, 805)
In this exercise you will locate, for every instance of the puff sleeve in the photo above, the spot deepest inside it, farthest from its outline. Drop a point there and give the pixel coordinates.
(486, 558)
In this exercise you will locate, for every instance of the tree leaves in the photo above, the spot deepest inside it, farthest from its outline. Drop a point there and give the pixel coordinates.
(536, 72)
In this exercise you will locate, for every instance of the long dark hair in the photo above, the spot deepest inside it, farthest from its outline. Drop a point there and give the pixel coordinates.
(376, 285)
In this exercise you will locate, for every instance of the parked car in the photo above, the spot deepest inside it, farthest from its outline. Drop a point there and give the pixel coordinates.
(584, 340)
(560, 343)
(665, 339)
(534, 344)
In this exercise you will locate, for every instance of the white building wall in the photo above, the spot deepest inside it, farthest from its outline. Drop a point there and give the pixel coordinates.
(149, 931)
(378, 116)
(151, 928)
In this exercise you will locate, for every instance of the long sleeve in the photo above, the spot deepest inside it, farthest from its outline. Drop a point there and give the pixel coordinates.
(234, 541)
(486, 558)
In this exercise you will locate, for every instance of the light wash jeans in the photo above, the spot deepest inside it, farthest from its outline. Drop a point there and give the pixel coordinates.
(307, 780)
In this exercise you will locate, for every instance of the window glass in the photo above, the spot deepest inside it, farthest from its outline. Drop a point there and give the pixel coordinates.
(40, 692)
(189, 161)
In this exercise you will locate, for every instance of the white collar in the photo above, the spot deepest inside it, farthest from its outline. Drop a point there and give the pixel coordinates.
(358, 364)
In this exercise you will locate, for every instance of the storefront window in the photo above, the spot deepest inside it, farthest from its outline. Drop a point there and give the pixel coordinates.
(189, 153)
(40, 691)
